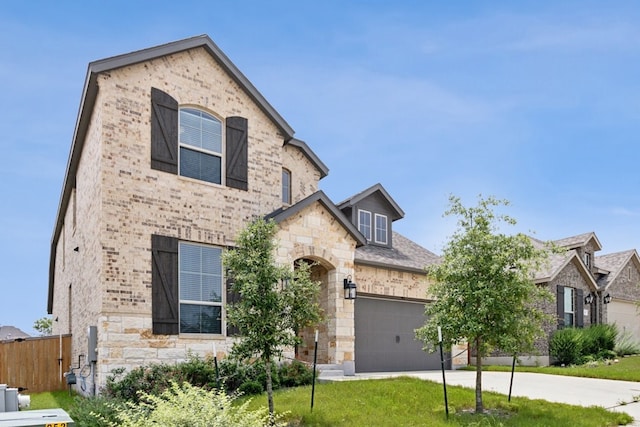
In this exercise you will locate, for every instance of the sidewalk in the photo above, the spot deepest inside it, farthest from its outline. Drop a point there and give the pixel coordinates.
(553, 388)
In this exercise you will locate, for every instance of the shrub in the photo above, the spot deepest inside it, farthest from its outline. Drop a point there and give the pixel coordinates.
(295, 374)
(626, 345)
(186, 405)
(566, 346)
(152, 379)
(236, 374)
(599, 340)
(84, 410)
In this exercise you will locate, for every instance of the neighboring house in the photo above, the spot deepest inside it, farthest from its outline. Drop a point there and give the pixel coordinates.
(587, 289)
(619, 279)
(174, 152)
(10, 333)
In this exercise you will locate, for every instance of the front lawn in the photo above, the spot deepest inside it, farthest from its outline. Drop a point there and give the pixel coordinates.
(626, 369)
(413, 402)
(404, 402)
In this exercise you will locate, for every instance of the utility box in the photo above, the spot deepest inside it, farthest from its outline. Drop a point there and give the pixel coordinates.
(11, 400)
(3, 390)
(92, 350)
(37, 418)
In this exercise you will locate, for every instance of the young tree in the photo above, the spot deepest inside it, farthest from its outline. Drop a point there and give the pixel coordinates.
(44, 326)
(275, 301)
(483, 288)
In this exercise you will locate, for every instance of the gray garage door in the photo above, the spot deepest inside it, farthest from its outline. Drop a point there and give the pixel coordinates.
(385, 338)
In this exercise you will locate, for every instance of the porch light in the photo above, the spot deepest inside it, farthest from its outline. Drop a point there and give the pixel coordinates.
(349, 288)
(607, 298)
(588, 299)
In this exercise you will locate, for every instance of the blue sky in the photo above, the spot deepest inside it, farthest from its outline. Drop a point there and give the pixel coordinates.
(535, 102)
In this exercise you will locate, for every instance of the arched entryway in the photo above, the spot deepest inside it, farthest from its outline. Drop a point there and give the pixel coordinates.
(304, 351)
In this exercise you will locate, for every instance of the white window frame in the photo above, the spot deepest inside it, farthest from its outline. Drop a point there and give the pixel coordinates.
(587, 259)
(379, 231)
(198, 149)
(364, 227)
(182, 301)
(569, 306)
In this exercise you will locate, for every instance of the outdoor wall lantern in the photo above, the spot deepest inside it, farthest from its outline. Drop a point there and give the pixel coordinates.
(588, 299)
(607, 298)
(349, 288)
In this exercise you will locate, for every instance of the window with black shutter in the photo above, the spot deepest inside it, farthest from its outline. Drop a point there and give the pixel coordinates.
(237, 153)
(232, 298)
(164, 284)
(164, 132)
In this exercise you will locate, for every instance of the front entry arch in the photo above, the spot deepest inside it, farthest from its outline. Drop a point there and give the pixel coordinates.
(304, 351)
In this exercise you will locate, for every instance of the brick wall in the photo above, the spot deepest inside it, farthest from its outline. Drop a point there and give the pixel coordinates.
(121, 202)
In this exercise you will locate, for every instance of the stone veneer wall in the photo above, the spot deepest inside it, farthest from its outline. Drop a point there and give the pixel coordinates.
(315, 234)
(391, 282)
(121, 202)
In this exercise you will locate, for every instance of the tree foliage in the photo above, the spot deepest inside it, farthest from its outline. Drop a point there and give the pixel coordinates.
(44, 326)
(483, 288)
(275, 301)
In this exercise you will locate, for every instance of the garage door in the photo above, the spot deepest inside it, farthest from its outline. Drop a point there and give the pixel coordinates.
(385, 338)
(625, 315)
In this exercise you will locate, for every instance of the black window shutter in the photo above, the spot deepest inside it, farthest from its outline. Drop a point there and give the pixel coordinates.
(560, 303)
(164, 132)
(164, 285)
(237, 144)
(232, 298)
(579, 308)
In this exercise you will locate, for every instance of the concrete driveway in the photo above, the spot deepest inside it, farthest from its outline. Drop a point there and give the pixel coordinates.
(609, 394)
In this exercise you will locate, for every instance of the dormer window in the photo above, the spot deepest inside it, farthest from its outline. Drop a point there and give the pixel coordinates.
(364, 223)
(381, 229)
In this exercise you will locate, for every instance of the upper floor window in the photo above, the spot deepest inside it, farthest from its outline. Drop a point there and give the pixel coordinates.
(569, 307)
(200, 145)
(381, 229)
(587, 259)
(200, 288)
(364, 223)
(286, 186)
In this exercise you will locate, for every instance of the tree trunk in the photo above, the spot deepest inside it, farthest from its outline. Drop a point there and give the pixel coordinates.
(479, 406)
(267, 365)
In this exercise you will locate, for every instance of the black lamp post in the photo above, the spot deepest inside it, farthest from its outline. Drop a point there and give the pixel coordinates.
(349, 288)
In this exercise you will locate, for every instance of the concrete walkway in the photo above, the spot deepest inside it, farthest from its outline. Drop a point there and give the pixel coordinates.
(609, 394)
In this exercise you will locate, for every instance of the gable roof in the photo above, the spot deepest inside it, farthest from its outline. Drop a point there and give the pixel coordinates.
(310, 155)
(87, 103)
(557, 262)
(404, 255)
(11, 333)
(578, 241)
(398, 213)
(614, 263)
(281, 214)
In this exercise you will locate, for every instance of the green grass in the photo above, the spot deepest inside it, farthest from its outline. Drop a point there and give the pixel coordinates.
(413, 402)
(627, 369)
(52, 399)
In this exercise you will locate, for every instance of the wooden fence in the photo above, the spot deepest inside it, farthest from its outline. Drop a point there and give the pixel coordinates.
(34, 363)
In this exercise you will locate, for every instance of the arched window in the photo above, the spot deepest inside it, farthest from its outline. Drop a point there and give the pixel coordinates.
(200, 145)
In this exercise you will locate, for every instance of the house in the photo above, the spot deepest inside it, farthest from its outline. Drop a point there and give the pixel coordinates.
(587, 290)
(10, 333)
(174, 152)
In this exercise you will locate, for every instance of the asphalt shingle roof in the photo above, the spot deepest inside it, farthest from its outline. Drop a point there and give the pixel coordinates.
(404, 254)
